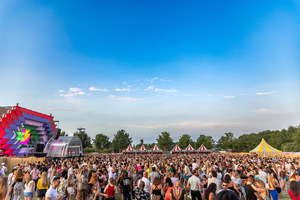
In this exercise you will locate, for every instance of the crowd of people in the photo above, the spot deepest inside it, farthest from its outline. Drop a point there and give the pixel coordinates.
(156, 177)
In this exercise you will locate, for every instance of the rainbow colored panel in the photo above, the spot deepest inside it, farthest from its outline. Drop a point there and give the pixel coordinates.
(22, 129)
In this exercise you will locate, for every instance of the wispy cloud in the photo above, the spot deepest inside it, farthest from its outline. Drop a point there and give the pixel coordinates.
(73, 92)
(117, 98)
(229, 97)
(62, 109)
(67, 101)
(122, 89)
(265, 93)
(266, 111)
(98, 89)
(60, 91)
(160, 90)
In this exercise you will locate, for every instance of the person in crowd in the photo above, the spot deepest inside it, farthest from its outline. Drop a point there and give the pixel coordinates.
(43, 185)
(110, 190)
(272, 184)
(29, 188)
(294, 191)
(125, 185)
(194, 185)
(178, 193)
(210, 192)
(18, 185)
(214, 180)
(62, 189)
(52, 193)
(251, 194)
(156, 189)
(147, 183)
(153, 174)
(140, 193)
(4, 194)
(226, 195)
(168, 187)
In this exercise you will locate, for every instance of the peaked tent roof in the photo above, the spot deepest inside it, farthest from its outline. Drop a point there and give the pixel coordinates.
(190, 148)
(155, 148)
(129, 148)
(176, 148)
(202, 148)
(142, 148)
(264, 147)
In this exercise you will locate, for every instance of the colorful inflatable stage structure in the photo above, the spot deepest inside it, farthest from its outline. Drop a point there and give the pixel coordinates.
(24, 132)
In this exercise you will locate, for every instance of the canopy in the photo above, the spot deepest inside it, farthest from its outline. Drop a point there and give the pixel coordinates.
(129, 148)
(142, 148)
(190, 148)
(176, 149)
(155, 148)
(264, 147)
(202, 148)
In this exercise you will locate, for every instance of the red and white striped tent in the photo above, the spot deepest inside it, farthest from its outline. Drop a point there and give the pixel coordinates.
(203, 149)
(128, 150)
(142, 149)
(190, 149)
(176, 149)
(156, 150)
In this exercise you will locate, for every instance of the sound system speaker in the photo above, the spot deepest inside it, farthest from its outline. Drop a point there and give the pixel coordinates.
(57, 133)
(39, 148)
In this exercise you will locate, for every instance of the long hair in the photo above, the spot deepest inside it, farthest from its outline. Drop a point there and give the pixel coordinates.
(3, 187)
(19, 174)
(295, 188)
(29, 178)
(44, 180)
(211, 188)
(112, 181)
(271, 181)
(54, 173)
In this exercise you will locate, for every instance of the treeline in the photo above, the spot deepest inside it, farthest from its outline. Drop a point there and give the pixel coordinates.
(286, 140)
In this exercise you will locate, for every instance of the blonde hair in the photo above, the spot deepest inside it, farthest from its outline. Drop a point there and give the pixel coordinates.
(29, 178)
(44, 180)
(93, 179)
(3, 187)
(271, 181)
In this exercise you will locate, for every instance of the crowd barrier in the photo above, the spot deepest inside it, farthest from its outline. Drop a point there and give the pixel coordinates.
(11, 162)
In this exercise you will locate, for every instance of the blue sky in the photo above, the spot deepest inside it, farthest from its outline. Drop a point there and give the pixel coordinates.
(150, 66)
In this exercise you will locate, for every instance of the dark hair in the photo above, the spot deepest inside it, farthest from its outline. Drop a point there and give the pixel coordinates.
(56, 178)
(227, 178)
(64, 174)
(169, 182)
(295, 188)
(211, 188)
(214, 174)
(226, 195)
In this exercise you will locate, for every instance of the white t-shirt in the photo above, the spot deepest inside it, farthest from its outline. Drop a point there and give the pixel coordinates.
(147, 187)
(52, 193)
(70, 171)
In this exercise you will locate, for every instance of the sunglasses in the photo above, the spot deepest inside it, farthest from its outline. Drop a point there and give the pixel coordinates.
(225, 185)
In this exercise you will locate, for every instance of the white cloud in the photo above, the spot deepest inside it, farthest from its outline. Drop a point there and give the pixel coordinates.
(160, 90)
(230, 97)
(98, 89)
(117, 98)
(73, 92)
(60, 91)
(122, 89)
(67, 100)
(165, 90)
(266, 111)
(74, 89)
(265, 93)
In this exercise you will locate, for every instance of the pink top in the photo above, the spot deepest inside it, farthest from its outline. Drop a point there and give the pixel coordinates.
(34, 173)
(167, 195)
(139, 167)
(292, 196)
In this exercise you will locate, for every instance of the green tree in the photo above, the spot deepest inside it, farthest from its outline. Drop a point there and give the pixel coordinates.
(207, 141)
(140, 144)
(121, 141)
(184, 141)
(102, 142)
(164, 141)
(63, 133)
(227, 142)
(82, 135)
